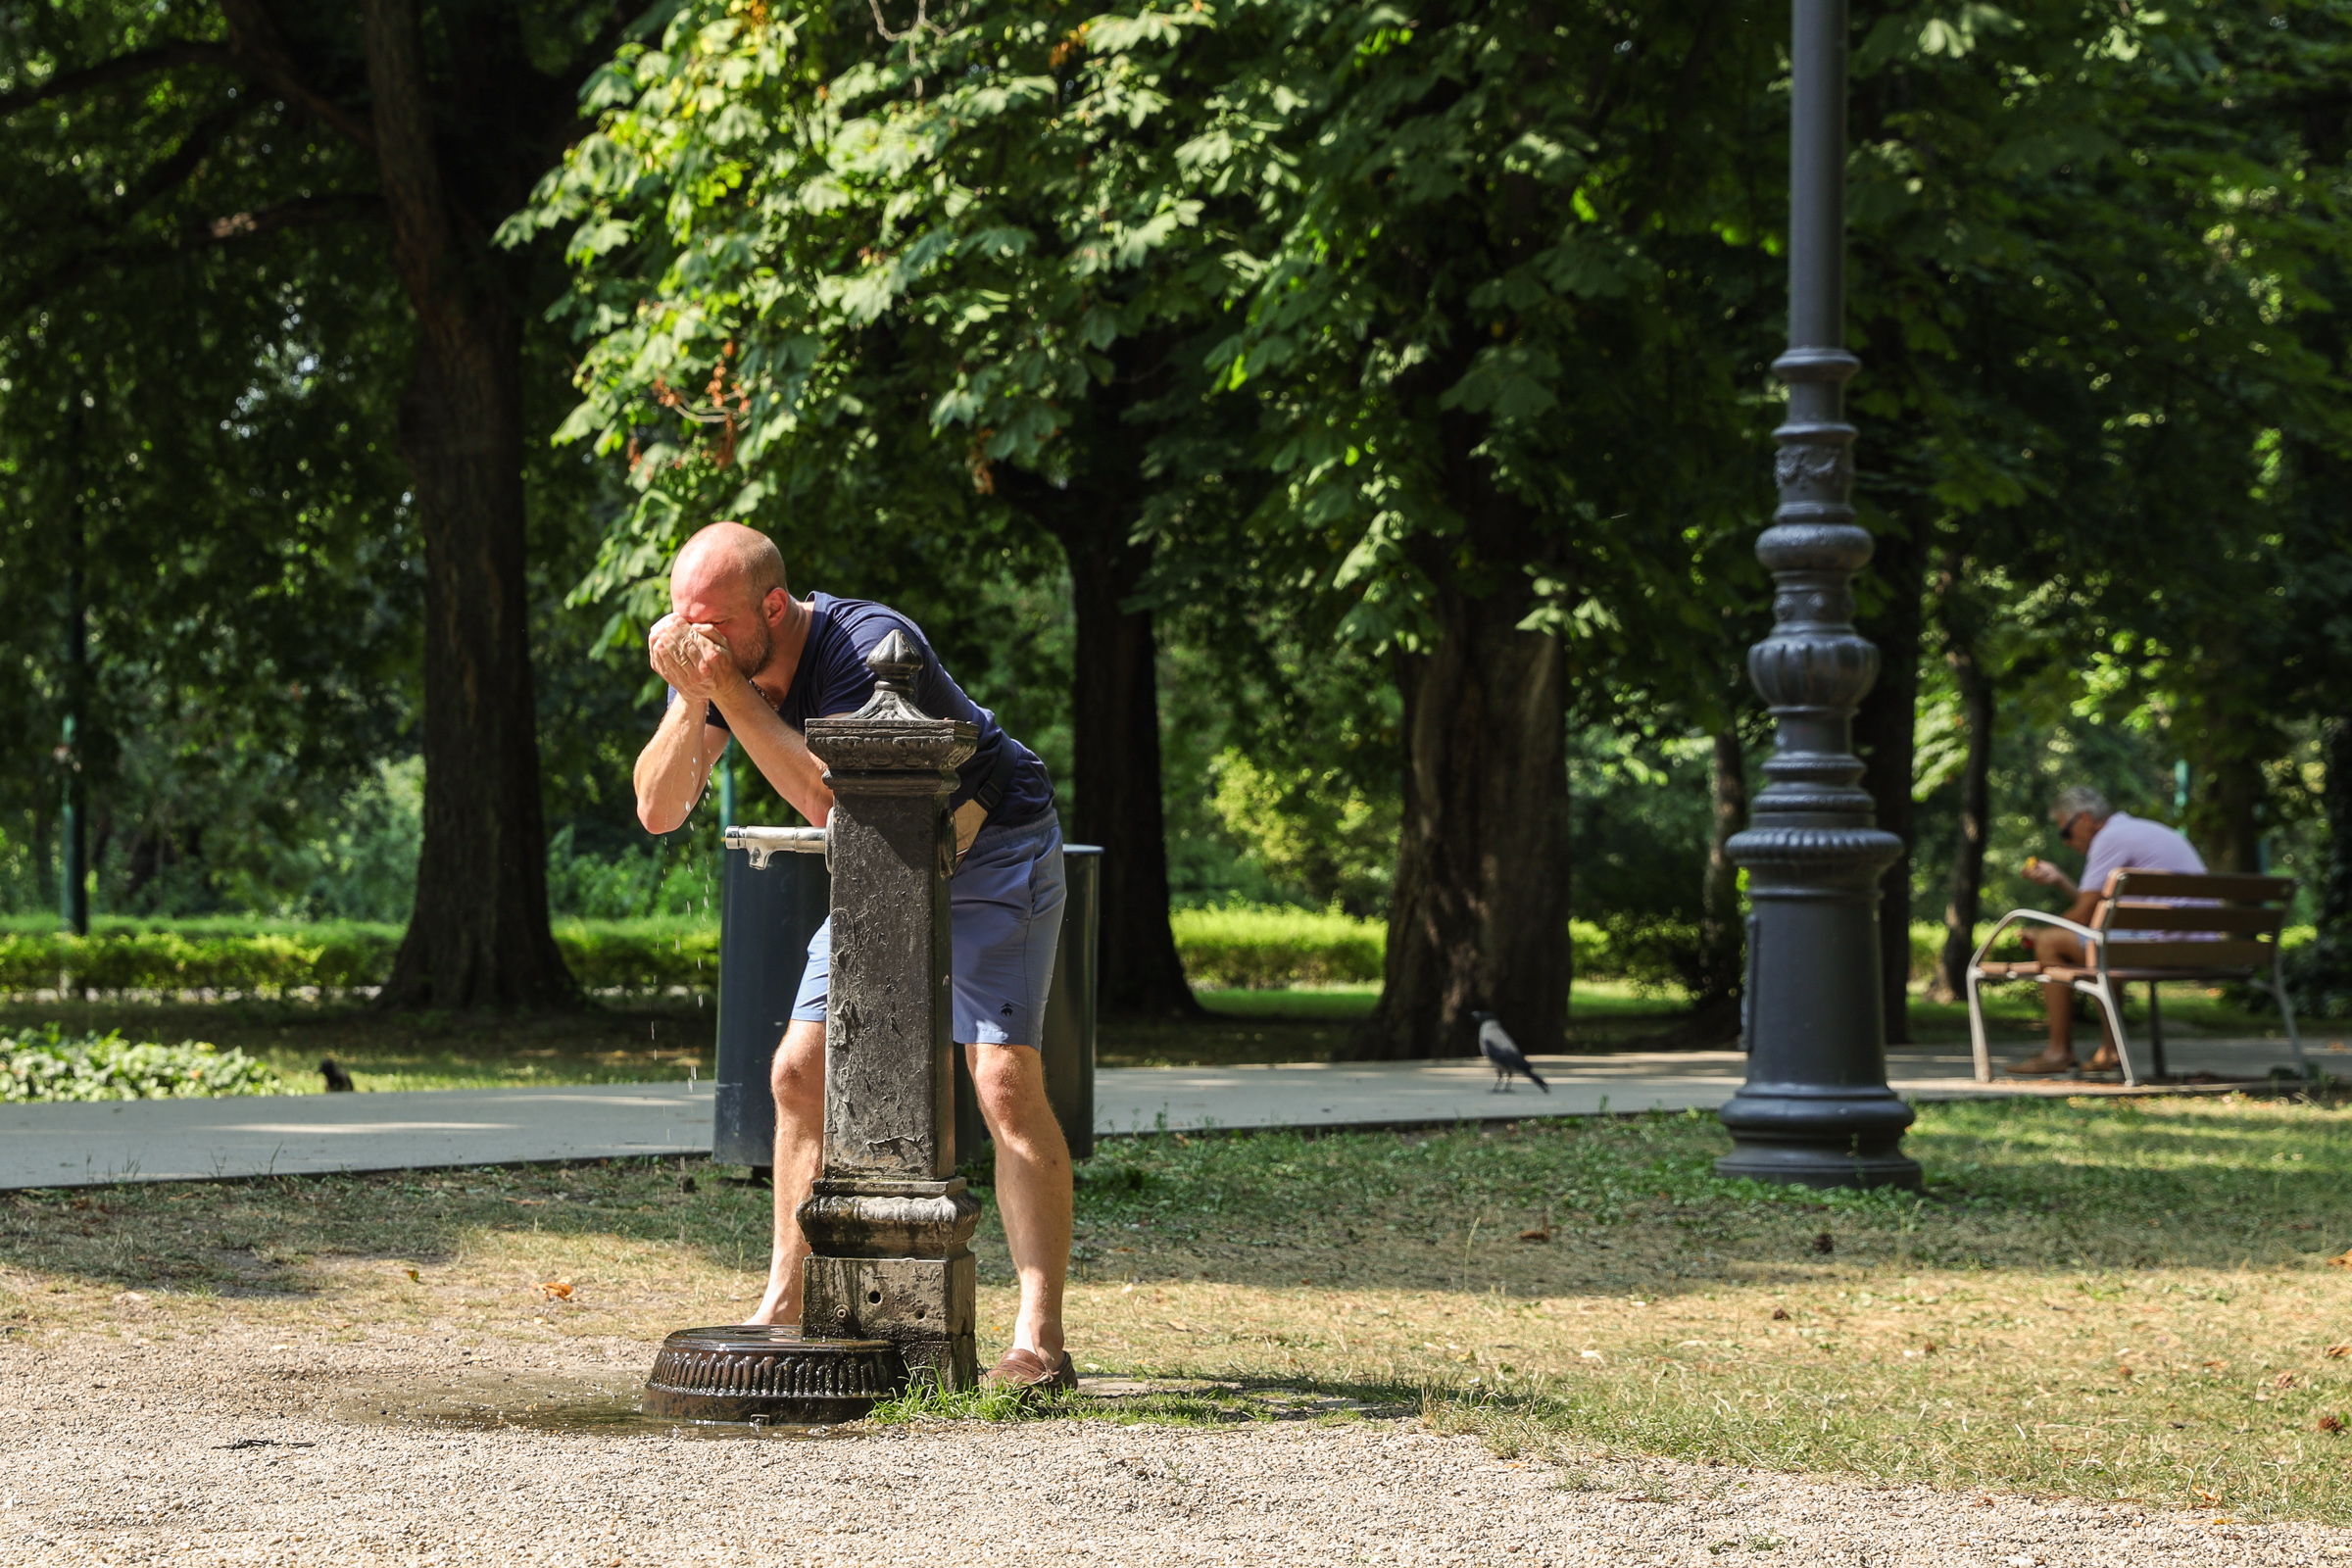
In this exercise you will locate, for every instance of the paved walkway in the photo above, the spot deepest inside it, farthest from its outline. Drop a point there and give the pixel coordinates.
(173, 1140)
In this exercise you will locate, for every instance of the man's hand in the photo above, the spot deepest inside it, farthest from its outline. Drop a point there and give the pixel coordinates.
(2048, 875)
(693, 659)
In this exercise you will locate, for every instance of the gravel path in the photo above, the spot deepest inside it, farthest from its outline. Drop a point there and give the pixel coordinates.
(231, 1447)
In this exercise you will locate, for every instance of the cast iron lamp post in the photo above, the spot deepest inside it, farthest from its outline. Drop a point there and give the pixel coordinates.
(1816, 1109)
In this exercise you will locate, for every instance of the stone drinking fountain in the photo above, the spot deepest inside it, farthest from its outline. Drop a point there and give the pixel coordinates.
(889, 1289)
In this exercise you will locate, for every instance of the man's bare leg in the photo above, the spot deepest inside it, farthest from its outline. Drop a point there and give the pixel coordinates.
(1033, 1186)
(798, 1079)
(2052, 945)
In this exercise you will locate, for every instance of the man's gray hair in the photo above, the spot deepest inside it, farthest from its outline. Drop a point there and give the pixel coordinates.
(2077, 800)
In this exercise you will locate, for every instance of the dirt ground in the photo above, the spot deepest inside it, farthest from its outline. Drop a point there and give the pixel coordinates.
(239, 1445)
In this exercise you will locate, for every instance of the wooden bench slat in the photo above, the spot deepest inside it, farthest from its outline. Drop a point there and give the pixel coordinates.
(2131, 916)
(2188, 955)
(2129, 883)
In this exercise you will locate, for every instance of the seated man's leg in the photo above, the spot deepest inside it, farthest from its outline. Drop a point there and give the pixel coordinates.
(2055, 946)
(1033, 1186)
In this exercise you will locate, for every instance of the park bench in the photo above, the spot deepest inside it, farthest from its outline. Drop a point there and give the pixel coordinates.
(2243, 915)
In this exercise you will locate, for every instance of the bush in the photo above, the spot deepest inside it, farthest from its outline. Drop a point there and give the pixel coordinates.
(46, 1065)
(262, 964)
(648, 954)
(1238, 949)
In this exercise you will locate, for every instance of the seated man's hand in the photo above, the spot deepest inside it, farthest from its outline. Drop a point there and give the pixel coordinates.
(2048, 875)
(692, 658)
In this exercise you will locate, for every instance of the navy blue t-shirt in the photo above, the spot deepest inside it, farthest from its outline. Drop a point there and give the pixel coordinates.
(832, 678)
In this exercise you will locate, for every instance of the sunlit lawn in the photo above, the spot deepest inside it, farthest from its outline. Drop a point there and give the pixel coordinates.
(2098, 1299)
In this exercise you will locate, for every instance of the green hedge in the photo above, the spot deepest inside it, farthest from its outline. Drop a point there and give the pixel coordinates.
(1221, 949)
(45, 1066)
(603, 955)
(1247, 948)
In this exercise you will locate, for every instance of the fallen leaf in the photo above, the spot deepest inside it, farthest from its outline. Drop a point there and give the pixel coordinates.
(2284, 1380)
(2218, 1365)
(1824, 1242)
(556, 1290)
(2336, 1353)
(1780, 1314)
(2342, 1262)
(1542, 1233)
(2329, 1423)
(2206, 1496)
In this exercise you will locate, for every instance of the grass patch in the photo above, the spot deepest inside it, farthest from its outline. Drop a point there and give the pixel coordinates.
(2093, 1298)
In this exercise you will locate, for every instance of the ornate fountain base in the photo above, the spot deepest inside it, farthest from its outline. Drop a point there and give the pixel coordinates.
(756, 1373)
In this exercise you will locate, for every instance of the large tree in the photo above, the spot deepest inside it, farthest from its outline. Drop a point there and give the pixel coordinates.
(433, 122)
(833, 286)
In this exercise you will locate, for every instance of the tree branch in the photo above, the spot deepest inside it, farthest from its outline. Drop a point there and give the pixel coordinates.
(122, 67)
(261, 53)
(305, 212)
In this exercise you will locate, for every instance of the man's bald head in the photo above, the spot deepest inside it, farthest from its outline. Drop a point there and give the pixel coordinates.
(727, 558)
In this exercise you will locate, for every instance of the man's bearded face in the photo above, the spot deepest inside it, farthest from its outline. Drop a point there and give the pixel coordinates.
(750, 640)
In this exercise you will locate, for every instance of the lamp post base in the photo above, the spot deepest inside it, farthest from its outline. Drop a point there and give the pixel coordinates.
(1813, 1138)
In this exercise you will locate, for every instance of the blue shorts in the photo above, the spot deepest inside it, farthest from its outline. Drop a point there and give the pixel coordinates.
(1005, 904)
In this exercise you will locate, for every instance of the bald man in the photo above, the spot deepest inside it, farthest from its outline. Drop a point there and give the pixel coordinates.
(750, 665)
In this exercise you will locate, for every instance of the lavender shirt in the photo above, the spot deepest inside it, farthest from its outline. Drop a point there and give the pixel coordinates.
(2128, 843)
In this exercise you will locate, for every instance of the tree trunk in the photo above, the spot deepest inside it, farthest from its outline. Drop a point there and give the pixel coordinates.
(2232, 836)
(478, 934)
(1116, 725)
(1963, 909)
(1478, 920)
(1722, 938)
(2335, 876)
(1114, 694)
(1884, 738)
(1714, 1019)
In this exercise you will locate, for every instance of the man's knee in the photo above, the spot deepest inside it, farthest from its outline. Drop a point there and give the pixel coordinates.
(2051, 945)
(1009, 1082)
(796, 1076)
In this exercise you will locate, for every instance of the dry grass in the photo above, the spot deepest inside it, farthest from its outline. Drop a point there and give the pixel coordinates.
(2095, 1298)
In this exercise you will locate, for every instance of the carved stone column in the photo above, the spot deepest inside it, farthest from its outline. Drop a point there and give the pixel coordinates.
(888, 1220)
(1816, 1109)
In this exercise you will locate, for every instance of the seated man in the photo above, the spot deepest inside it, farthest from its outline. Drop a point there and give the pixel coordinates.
(2109, 841)
(747, 660)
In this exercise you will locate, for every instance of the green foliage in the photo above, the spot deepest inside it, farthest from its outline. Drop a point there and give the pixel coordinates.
(652, 955)
(1246, 948)
(47, 1066)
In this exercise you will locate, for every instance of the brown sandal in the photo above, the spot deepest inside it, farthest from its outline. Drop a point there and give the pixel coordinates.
(1027, 1371)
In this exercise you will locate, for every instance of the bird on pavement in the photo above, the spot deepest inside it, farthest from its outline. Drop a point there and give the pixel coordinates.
(1498, 1047)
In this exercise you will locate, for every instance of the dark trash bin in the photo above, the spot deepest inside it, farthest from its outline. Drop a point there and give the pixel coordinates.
(1068, 1044)
(767, 920)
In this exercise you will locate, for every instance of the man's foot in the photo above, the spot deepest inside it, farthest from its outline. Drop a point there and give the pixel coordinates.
(2049, 1063)
(1027, 1371)
(2104, 1060)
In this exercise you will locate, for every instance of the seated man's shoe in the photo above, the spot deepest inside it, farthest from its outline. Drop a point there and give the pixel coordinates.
(2047, 1064)
(1029, 1372)
(2103, 1060)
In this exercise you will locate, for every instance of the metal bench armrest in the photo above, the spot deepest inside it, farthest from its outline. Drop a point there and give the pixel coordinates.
(2092, 941)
